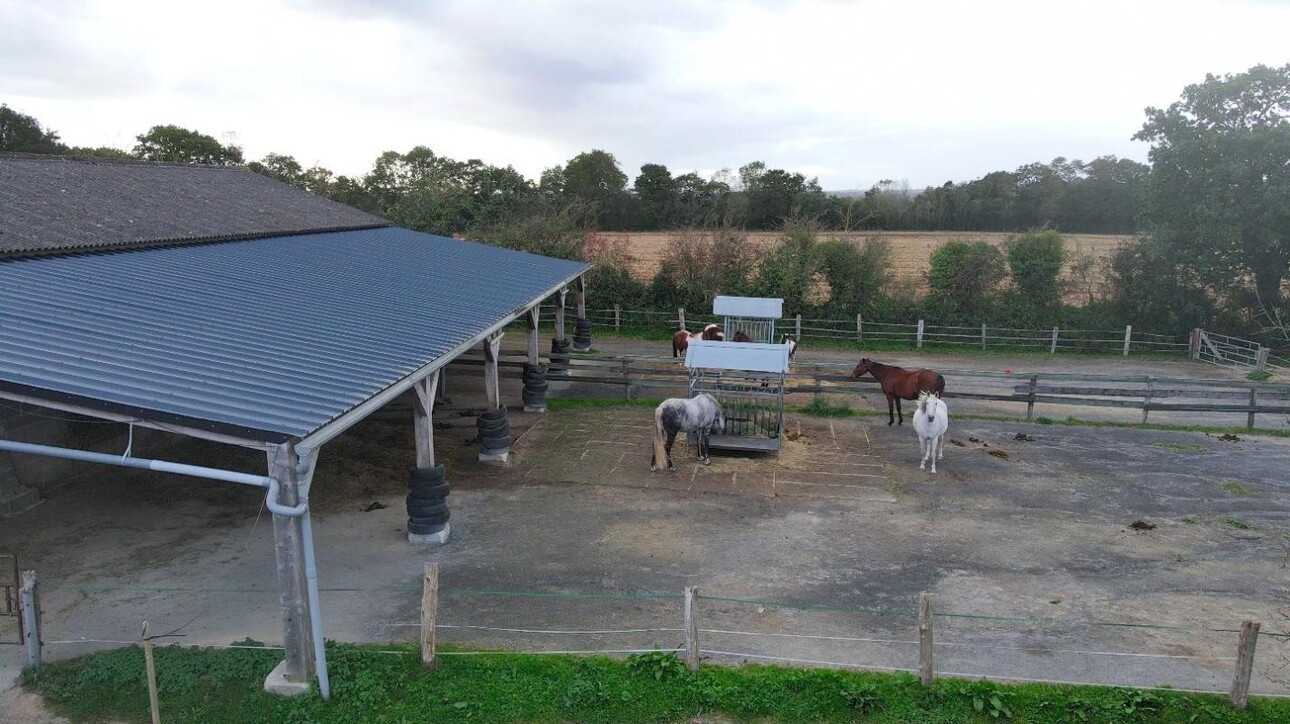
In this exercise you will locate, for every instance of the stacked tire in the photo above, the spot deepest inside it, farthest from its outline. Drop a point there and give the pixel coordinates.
(494, 431)
(427, 501)
(560, 357)
(582, 335)
(535, 386)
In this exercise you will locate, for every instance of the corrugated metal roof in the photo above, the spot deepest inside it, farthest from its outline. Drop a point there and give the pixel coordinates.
(268, 339)
(756, 307)
(742, 356)
(53, 203)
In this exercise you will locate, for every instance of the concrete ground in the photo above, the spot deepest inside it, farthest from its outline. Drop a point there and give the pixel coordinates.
(1027, 545)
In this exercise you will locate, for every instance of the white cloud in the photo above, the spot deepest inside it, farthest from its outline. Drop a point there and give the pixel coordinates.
(851, 91)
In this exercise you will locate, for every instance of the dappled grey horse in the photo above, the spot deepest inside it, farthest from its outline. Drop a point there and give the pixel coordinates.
(700, 414)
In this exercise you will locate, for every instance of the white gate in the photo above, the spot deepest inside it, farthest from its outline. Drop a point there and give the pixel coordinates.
(1225, 351)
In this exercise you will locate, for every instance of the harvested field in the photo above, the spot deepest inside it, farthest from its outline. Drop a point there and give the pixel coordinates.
(910, 250)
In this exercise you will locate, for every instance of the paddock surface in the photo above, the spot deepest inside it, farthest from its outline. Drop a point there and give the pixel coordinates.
(1025, 542)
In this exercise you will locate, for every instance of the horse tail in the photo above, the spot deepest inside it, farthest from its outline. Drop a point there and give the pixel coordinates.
(675, 352)
(940, 385)
(660, 453)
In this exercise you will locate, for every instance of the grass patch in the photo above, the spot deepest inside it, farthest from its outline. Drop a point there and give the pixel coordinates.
(1259, 375)
(580, 403)
(1237, 523)
(218, 686)
(820, 407)
(1190, 447)
(1235, 488)
(1189, 519)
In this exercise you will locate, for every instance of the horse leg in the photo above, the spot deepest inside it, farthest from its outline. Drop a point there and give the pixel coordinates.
(899, 413)
(891, 415)
(922, 452)
(667, 447)
(931, 451)
(703, 447)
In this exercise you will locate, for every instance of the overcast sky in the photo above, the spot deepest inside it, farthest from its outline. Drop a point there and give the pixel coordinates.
(851, 92)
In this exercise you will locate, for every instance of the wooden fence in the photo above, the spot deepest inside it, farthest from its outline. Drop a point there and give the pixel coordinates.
(658, 376)
(917, 335)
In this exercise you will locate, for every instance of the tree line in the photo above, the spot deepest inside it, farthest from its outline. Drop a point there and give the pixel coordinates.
(1213, 208)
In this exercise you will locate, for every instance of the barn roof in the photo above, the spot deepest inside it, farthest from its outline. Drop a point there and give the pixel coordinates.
(55, 203)
(266, 340)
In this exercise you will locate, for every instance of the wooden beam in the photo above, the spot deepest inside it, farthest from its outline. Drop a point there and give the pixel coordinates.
(491, 389)
(582, 296)
(560, 296)
(429, 610)
(926, 670)
(423, 418)
(288, 544)
(534, 321)
(1240, 692)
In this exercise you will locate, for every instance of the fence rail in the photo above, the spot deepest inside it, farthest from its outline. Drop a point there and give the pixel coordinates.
(1055, 339)
(1146, 393)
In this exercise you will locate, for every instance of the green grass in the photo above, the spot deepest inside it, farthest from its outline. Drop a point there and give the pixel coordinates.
(1259, 375)
(1235, 488)
(582, 403)
(819, 407)
(368, 684)
(1237, 523)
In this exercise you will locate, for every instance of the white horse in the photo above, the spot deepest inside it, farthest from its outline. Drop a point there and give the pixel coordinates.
(791, 343)
(931, 420)
(701, 414)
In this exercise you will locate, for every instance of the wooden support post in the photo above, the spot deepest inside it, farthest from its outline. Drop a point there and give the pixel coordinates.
(920, 334)
(1128, 336)
(680, 315)
(618, 317)
(151, 666)
(1254, 401)
(1030, 403)
(429, 609)
(288, 542)
(1195, 343)
(859, 328)
(582, 296)
(627, 380)
(491, 389)
(1244, 664)
(29, 618)
(423, 418)
(925, 670)
(797, 330)
(534, 318)
(559, 313)
(1053, 348)
(1261, 358)
(1146, 399)
(691, 630)
(983, 336)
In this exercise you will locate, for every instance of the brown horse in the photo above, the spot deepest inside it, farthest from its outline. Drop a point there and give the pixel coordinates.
(741, 337)
(900, 384)
(681, 339)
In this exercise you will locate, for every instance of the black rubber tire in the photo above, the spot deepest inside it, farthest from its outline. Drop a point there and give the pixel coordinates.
(421, 528)
(425, 475)
(429, 492)
(532, 369)
(501, 443)
(487, 426)
(560, 346)
(495, 435)
(420, 510)
(498, 414)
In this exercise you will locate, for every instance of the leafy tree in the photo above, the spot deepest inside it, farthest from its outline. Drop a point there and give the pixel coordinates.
(1151, 289)
(595, 177)
(281, 167)
(1219, 190)
(180, 145)
(1035, 262)
(24, 134)
(858, 276)
(659, 195)
(698, 265)
(789, 270)
(965, 276)
(108, 152)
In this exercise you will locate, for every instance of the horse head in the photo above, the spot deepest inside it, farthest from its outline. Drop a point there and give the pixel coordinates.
(866, 365)
(791, 344)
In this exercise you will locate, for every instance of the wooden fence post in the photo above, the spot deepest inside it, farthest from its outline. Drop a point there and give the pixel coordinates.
(146, 636)
(1195, 343)
(680, 314)
(983, 336)
(797, 329)
(920, 334)
(618, 317)
(29, 621)
(691, 630)
(925, 674)
(1244, 664)
(1261, 358)
(859, 328)
(1254, 401)
(627, 380)
(429, 609)
(1030, 403)
(1053, 349)
(1128, 336)
(1146, 399)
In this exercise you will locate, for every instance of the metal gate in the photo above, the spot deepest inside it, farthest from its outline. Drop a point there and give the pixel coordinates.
(757, 330)
(748, 381)
(754, 317)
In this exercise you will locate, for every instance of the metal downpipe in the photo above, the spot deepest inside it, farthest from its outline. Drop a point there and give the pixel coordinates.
(304, 471)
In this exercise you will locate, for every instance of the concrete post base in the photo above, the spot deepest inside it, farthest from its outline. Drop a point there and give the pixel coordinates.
(579, 348)
(535, 409)
(435, 539)
(499, 457)
(276, 682)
